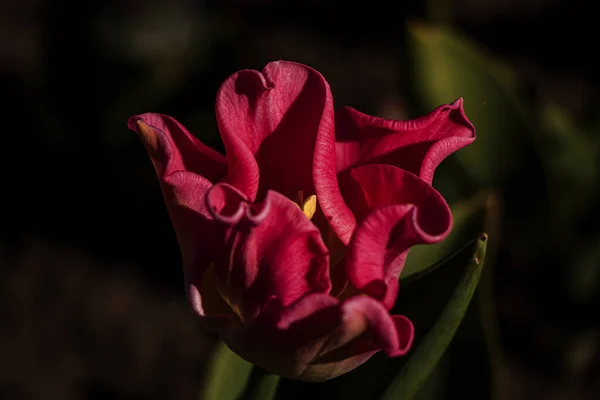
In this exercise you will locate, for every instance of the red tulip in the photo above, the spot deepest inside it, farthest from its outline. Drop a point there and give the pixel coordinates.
(302, 286)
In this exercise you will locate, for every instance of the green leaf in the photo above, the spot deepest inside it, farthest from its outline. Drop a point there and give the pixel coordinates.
(226, 375)
(426, 354)
(446, 66)
(468, 218)
(262, 385)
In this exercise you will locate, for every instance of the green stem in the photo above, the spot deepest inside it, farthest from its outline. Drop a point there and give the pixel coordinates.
(262, 385)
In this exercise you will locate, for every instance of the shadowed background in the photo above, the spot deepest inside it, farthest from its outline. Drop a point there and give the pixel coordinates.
(91, 295)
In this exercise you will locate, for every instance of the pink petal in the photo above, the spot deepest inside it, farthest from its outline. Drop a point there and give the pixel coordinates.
(271, 251)
(331, 203)
(367, 320)
(366, 328)
(269, 123)
(173, 148)
(417, 145)
(398, 210)
(319, 338)
(179, 158)
(284, 340)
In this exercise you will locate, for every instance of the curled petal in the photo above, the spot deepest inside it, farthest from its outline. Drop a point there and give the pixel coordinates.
(172, 148)
(273, 251)
(370, 323)
(226, 204)
(319, 338)
(417, 145)
(284, 340)
(179, 159)
(401, 211)
(269, 123)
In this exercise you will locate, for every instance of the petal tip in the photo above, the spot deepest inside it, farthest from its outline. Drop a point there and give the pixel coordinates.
(459, 116)
(457, 103)
(147, 133)
(406, 333)
(132, 122)
(432, 231)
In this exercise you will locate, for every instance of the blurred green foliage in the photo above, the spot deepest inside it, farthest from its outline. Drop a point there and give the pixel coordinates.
(446, 66)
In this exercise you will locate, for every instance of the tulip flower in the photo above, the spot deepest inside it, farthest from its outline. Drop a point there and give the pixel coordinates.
(292, 243)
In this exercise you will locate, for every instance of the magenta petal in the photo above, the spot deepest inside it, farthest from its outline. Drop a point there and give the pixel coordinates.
(332, 205)
(179, 159)
(284, 340)
(417, 145)
(406, 334)
(402, 211)
(173, 148)
(319, 338)
(392, 334)
(269, 123)
(365, 328)
(271, 251)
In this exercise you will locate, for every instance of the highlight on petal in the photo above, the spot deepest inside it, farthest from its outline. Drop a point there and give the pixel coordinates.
(402, 211)
(365, 328)
(417, 145)
(172, 148)
(269, 124)
(334, 210)
(271, 251)
(392, 334)
(186, 169)
(318, 337)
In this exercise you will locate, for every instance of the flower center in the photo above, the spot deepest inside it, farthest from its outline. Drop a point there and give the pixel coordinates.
(308, 205)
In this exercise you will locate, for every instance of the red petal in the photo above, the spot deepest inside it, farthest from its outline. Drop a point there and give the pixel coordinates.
(284, 340)
(417, 145)
(393, 334)
(272, 250)
(319, 338)
(269, 123)
(179, 159)
(173, 148)
(366, 328)
(401, 211)
(332, 205)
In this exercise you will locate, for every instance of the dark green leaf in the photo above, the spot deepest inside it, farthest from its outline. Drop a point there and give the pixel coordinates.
(467, 264)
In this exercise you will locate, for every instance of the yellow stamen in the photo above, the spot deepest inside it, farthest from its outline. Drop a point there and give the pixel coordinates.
(308, 206)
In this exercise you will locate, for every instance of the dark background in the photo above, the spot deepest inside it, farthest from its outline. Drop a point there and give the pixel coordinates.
(91, 300)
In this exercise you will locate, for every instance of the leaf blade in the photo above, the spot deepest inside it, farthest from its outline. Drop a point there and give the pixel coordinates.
(424, 359)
